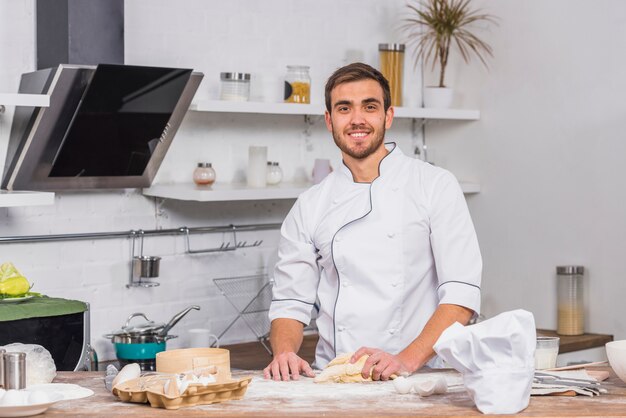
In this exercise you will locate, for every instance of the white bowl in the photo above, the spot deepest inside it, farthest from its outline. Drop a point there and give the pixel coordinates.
(616, 352)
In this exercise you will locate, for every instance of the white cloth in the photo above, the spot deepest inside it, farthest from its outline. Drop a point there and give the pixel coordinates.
(496, 358)
(380, 257)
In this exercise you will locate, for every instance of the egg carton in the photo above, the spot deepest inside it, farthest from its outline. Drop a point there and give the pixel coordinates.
(150, 389)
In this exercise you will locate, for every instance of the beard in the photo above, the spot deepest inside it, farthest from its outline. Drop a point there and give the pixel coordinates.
(360, 153)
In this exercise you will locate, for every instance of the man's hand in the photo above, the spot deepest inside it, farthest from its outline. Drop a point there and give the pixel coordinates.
(286, 366)
(381, 364)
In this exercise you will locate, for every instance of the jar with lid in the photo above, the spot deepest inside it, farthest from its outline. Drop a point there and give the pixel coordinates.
(297, 84)
(274, 173)
(571, 312)
(204, 174)
(235, 87)
(392, 67)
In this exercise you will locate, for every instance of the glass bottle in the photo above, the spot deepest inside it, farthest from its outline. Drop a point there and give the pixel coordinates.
(274, 173)
(297, 84)
(571, 312)
(392, 67)
(235, 87)
(204, 174)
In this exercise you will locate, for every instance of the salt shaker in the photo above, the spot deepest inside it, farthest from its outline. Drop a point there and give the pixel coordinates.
(14, 370)
(204, 174)
(274, 173)
(571, 311)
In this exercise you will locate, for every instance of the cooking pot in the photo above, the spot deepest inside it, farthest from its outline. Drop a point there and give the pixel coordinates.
(139, 343)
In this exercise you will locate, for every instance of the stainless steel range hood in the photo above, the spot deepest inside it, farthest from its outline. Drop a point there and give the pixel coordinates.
(108, 126)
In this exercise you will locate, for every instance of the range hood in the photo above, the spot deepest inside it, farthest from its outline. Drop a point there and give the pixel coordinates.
(108, 126)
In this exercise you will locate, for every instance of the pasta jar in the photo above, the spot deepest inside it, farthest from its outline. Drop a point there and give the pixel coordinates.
(235, 87)
(297, 84)
(571, 312)
(392, 67)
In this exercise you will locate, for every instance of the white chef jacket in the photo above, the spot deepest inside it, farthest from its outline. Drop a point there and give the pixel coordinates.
(379, 257)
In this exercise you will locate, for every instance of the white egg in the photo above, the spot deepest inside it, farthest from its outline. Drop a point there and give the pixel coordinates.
(402, 384)
(430, 387)
(205, 380)
(14, 398)
(37, 397)
(128, 372)
(182, 386)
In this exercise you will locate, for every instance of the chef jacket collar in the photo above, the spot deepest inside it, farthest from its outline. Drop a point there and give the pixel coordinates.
(386, 162)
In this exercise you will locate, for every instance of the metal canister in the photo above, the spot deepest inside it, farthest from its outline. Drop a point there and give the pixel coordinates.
(14, 370)
(2, 351)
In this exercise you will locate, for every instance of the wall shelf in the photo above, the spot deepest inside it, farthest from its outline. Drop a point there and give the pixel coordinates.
(222, 192)
(22, 198)
(15, 99)
(318, 110)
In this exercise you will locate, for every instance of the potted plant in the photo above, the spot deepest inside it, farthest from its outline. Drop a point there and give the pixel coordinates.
(432, 28)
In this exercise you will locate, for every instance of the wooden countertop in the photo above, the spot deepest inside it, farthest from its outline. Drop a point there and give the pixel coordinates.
(305, 399)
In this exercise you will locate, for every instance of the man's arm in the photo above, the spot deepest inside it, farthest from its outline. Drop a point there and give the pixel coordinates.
(286, 338)
(416, 354)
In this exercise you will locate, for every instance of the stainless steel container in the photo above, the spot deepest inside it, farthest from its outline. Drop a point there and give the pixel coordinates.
(147, 266)
(2, 351)
(14, 370)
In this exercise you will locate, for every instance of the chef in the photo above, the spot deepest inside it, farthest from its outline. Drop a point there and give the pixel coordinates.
(384, 247)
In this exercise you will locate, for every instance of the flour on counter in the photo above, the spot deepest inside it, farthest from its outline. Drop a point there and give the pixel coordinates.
(304, 394)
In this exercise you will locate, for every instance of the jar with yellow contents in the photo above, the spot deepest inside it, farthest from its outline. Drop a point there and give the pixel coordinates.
(297, 84)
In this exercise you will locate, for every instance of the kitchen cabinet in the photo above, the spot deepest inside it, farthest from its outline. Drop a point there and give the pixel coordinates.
(220, 192)
(24, 198)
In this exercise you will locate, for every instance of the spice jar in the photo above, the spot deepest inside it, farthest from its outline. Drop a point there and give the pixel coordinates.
(392, 67)
(235, 87)
(204, 174)
(297, 84)
(274, 173)
(571, 312)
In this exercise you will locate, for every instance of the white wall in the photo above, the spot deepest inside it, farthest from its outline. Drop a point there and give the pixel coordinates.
(547, 151)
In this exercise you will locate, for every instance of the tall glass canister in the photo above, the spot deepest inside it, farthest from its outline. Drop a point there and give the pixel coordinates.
(570, 300)
(392, 67)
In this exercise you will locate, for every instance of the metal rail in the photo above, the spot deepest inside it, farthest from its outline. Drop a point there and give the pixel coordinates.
(132, 233)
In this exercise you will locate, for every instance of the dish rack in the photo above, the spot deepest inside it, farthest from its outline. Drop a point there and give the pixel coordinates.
(251, 296)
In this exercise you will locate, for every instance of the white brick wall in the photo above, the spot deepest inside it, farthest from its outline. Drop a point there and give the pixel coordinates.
(209, 36)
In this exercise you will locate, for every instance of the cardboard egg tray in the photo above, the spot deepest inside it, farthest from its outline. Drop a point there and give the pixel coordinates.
(196, 394)
(197, 361)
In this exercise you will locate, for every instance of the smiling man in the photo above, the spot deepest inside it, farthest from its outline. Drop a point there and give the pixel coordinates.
(385, 246)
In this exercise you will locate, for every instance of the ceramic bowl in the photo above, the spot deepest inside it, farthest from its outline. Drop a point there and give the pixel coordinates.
(616, 353)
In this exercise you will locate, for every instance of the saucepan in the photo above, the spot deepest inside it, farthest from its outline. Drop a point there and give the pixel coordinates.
(141, 342)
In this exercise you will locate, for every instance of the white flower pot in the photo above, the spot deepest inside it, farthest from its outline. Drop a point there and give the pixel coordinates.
(438, 97)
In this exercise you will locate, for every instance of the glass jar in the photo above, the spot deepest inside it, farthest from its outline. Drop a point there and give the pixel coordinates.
(235, 87)
(297, 84)
(274, 173)
(204, 174)
(392, 67)
(571, 312)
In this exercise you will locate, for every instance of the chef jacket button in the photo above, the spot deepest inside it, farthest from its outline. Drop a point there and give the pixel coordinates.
(335, 201)
(337, 239)
(392, 331)
(341, 329)
(394, 284)
(391, 234)
(345, 283)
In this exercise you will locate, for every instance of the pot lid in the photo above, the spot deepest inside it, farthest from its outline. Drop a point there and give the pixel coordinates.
(142, 328)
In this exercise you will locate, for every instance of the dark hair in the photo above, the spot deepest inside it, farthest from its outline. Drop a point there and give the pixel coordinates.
(355, 72)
